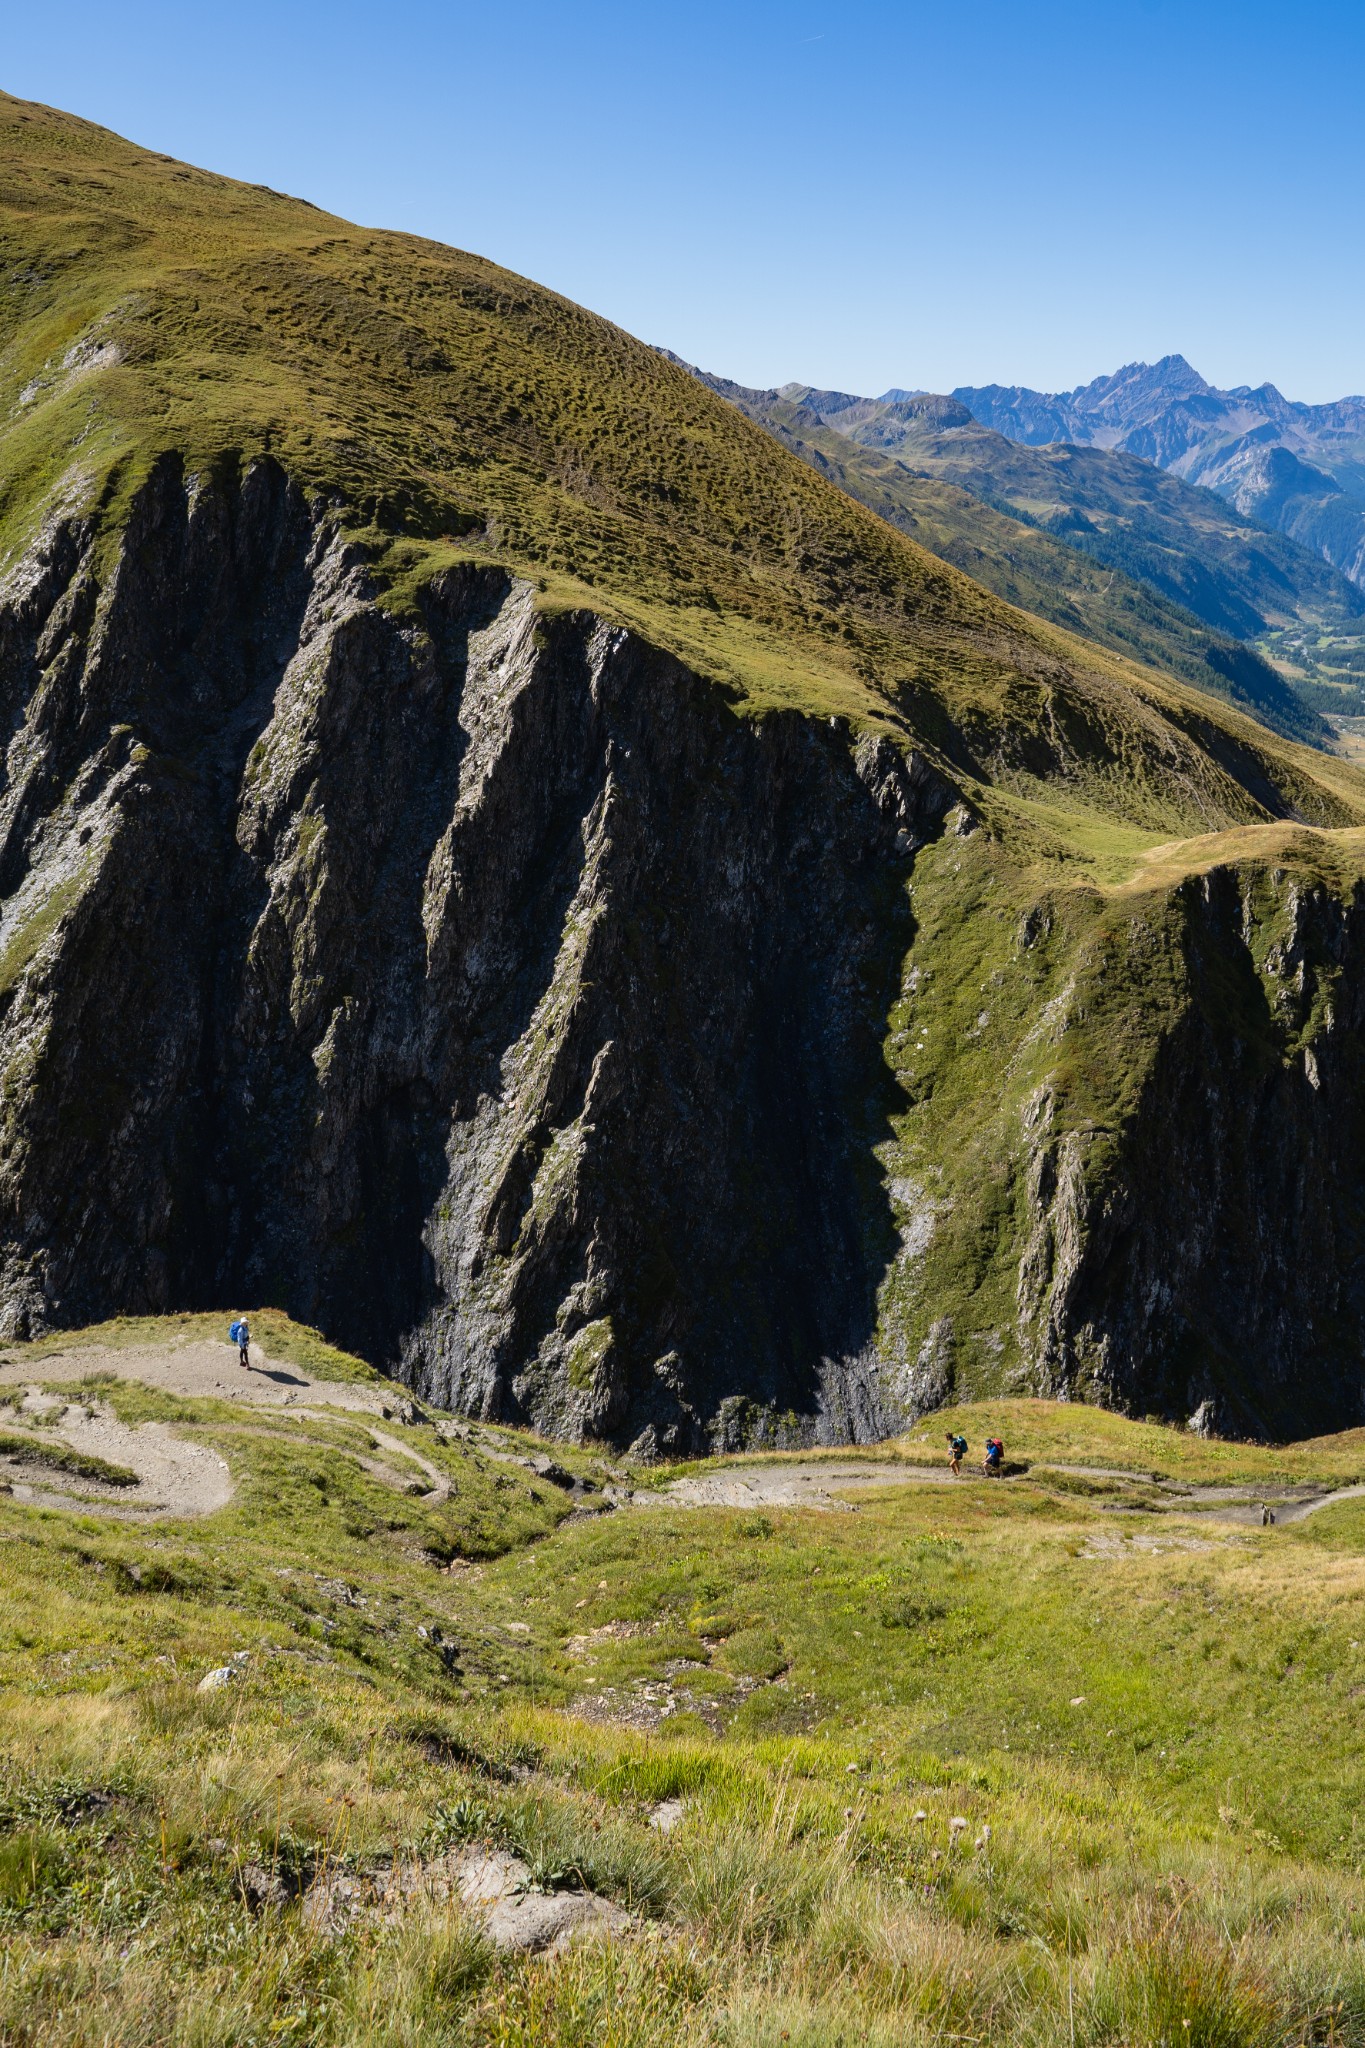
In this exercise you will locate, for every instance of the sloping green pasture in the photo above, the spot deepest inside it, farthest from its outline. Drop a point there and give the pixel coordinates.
(1145, 1722)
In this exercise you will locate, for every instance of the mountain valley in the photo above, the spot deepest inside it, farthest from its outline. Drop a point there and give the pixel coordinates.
(682, 1159)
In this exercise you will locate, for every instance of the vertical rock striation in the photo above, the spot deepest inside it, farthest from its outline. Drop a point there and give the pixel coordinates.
(476, 985)
(1211, 1256)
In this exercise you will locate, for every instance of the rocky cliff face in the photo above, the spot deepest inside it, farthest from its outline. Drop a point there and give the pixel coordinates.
(477, 985)
(1207, 1257)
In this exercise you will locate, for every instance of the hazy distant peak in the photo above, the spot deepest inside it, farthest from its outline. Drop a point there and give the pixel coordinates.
(1168, 414)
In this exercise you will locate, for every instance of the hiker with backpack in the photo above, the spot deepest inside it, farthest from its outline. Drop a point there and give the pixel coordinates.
(239, 1334)
(957, 1451)
(995, 1457)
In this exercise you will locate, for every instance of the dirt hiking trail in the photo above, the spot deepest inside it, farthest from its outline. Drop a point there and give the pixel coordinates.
(174, 1477)
(163, 1475)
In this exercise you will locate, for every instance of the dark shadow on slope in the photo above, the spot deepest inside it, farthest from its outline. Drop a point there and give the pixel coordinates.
(1233, 1268)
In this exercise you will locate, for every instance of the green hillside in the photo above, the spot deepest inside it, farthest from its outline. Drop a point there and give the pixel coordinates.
(839, 1008)
(452, 409)
(1028, 567)
(978, 936)
(1186, 541)
(1059, 1759)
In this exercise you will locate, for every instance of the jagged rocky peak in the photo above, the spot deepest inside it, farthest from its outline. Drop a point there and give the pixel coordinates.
(1166, 413)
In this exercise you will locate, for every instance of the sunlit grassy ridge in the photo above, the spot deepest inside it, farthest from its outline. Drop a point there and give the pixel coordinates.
(436, 406)
(980, 1762)
(444, 405)
(1053, 963)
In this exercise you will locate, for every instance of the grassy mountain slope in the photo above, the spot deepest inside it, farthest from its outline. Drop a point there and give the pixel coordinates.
(995, 1762)
(453, 408)
(1236, 575)
(1032, 569)
(452, 1012)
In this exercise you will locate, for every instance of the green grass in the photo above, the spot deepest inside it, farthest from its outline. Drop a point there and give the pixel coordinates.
(454, 410)
(1056, 953)
(1146, 1722)
(1071, 1433)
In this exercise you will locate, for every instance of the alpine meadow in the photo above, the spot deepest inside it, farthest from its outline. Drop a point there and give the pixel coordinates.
(657, 951)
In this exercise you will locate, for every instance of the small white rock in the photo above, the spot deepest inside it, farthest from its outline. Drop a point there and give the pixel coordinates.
(213, 1681)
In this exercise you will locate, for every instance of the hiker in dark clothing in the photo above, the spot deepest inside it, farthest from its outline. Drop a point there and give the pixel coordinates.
(957, 1451)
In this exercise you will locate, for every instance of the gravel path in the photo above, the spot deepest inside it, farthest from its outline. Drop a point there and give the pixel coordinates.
(823, 1484)
(798, 1484)
(201, 1369)
(175, 1477)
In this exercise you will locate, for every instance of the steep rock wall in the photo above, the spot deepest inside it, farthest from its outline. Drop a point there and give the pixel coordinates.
(479, 987)
(1208, 1258)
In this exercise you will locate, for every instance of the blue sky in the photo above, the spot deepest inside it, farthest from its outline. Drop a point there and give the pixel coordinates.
(862, 196)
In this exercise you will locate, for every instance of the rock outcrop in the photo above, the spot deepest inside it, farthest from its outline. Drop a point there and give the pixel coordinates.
(474, 983)
(1209, 1256)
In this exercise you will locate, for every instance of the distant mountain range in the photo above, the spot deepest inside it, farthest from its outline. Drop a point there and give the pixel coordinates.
(1202, 577)
(1297, 468)
(1169, 570)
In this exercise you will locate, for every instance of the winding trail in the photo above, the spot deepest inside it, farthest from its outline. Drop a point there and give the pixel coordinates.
(823, 1484)
(177, 1477)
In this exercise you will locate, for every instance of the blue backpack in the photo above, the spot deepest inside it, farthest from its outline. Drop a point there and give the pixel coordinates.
(234, 1333)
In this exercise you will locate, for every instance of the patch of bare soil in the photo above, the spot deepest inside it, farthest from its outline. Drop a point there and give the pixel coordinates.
(817, 1483)
(200, 1369)
(177, 1478)
(174, 1478)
